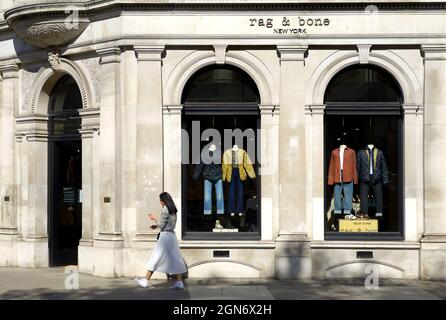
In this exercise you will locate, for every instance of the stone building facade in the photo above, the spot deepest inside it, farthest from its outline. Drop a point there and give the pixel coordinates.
(131, 63)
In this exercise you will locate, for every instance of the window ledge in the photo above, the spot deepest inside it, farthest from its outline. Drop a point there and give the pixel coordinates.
(365, 245)
(228, 244)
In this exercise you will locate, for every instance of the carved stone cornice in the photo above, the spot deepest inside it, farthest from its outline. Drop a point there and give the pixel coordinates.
(51, 25)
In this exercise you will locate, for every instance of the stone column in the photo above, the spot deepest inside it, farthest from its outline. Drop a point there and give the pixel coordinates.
(413, 172)
(8, 218)
(316, 167)
(149, 138)
(32, 140)
(172, 157)
(268, 157)
(108, 259)
(433, 244)
(8, 104)
(90, 124)
(292, 249)
(110, 144)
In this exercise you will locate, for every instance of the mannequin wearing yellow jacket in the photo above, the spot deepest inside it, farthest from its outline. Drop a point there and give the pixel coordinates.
(236, 166)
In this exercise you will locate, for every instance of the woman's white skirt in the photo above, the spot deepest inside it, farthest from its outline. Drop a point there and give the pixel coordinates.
(166, 256)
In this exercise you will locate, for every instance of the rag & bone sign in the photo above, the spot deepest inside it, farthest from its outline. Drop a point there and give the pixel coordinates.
(289, 25)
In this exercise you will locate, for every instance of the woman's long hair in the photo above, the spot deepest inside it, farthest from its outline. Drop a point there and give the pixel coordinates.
(168, 202)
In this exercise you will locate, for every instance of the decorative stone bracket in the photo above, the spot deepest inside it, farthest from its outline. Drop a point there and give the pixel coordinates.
(364, 53)
(42, 27)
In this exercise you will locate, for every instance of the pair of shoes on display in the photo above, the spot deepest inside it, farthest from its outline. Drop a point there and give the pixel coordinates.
(178, 285)
(350, 217)
(142, 282)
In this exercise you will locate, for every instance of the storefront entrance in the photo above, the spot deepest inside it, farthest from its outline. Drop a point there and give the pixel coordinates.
(65, 173)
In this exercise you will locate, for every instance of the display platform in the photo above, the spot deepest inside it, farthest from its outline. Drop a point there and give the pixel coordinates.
(224, 230)
(369, 225)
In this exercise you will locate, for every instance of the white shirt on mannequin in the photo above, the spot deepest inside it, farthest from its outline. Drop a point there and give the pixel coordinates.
(371, 146)
(341, 157)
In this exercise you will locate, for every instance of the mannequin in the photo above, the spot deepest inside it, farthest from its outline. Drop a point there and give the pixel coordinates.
(211, 171)
(342, 174)
(237, 166)
(373, 173)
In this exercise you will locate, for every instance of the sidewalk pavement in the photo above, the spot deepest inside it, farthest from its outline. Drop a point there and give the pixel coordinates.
(49, 283)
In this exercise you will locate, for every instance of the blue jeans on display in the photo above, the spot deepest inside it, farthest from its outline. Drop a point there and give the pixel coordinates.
(347, 202)
(235, 199)
(208, 196)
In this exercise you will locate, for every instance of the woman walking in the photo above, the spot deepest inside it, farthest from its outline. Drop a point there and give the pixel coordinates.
(166, 256)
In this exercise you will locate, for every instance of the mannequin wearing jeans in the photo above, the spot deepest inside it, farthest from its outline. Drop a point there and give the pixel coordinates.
(342, 174)
(235, 201)
(237, 166)
(373, 173)
(211, 171)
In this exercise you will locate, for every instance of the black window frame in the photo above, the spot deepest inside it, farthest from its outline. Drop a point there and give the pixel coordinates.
(66, 113)
(215, 109)
(373, 109)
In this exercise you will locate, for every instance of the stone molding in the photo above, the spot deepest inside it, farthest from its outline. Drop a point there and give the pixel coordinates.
(32, 127)
(90, 122)
(109, 55)
(434, 51)
(149, 53)
(315, 109)
(9, 71)
(412, 109)
(172, 110)
(292, 52)
(269, 110)
(246, 61)
(400, 69)
(40, 84)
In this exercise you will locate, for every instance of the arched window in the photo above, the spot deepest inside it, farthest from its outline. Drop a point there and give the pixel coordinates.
(363, 84)
(364, 113)
(220, 85)
(220, 196)
(65, 101)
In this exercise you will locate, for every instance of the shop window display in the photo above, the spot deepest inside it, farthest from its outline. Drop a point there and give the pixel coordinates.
(363, 154)
(221, 186)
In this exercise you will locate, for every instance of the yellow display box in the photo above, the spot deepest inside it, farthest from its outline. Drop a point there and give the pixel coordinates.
(370, 225)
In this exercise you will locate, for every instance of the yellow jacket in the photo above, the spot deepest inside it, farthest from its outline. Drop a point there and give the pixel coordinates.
(245, 165)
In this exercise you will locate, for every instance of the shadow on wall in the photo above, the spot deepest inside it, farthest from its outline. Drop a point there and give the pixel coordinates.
(293, 260)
